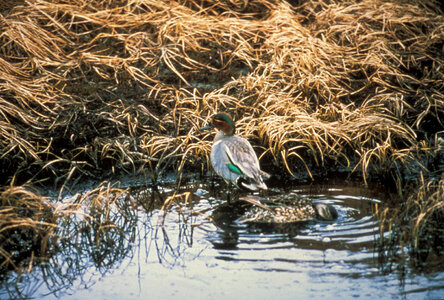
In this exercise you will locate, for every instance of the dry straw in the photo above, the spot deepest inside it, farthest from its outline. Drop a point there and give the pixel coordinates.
(121, 86)
(27, 225)
(102, 87)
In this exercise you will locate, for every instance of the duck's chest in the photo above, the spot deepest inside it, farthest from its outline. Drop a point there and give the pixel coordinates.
(219, 151)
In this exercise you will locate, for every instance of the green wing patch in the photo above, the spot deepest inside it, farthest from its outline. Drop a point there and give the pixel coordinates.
(234, 169)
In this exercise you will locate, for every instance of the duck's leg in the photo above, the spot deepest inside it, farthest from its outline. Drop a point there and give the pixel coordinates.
(235, 193)
(232, 193)
(229, 185)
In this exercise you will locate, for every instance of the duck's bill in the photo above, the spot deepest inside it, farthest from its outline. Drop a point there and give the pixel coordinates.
(206, 127)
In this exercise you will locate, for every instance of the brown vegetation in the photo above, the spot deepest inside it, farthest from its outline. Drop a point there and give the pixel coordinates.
(415, 223)
(27, 224)
(93, 86)
(32, 228)
(102, 87)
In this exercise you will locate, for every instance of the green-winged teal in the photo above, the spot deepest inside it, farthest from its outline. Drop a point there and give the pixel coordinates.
(232, 157)
(285, 208)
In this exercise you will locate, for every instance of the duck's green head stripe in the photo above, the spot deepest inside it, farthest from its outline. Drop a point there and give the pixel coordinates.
(234, 169)
(224, 118)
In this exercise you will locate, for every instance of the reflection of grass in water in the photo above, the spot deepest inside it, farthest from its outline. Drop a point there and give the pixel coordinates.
(100, 228)
(417, 225)
(90, 232)
(96, 229)
(112, 87)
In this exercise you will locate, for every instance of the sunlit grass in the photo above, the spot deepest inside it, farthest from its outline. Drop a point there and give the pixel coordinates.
(111, 85)
(95, 88)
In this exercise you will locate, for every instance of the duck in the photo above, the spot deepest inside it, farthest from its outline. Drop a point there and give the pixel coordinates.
(232, 157)
(285, 208)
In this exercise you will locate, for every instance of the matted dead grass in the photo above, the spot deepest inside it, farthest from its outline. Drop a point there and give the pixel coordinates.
(415, 225)
(33, 228)
(94, 88)
(121, 86)
(27, 224)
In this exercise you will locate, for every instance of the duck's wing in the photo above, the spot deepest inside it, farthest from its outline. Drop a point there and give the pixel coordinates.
(242, 158)
(243, 161)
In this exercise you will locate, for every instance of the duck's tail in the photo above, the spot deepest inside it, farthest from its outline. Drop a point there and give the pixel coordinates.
(251, 184)
(265, 175)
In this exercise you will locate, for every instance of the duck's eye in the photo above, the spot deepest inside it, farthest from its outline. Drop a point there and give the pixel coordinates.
(218, 121)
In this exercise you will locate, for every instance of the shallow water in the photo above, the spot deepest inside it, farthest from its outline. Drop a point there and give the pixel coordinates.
(195, 251)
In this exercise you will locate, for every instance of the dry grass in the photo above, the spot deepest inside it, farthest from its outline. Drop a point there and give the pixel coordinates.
(27, 225)
(92, 88)
(32, 229)
(416, 223)
(121, 86)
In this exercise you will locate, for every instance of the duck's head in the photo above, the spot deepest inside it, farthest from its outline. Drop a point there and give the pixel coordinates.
(223, 122)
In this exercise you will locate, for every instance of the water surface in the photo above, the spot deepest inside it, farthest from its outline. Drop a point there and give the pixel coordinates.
(195, 251)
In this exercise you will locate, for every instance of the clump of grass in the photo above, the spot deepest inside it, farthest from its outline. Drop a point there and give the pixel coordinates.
(124, 86)
(96, 226)
(96, 88)
(27, 225)
(428, 204)
(416, 224)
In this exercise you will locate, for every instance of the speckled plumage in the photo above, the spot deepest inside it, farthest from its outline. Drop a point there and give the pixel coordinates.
(286, 208)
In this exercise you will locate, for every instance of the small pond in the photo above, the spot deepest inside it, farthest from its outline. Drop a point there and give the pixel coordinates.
(190, 252)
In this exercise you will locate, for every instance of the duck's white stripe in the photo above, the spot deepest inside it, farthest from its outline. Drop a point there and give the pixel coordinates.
(233, 161)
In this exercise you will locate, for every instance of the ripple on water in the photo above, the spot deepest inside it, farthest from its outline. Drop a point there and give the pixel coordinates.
(185, 254)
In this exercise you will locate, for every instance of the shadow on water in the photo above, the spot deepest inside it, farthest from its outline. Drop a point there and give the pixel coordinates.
(130, 248)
